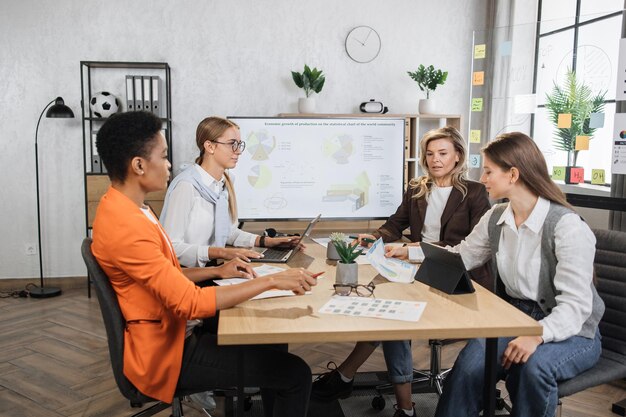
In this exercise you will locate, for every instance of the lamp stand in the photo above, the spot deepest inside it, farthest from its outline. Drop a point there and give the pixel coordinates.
(41, 291)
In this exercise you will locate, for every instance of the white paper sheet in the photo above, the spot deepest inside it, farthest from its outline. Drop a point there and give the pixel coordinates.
(374, 307)
(394, 270)
(261, 271)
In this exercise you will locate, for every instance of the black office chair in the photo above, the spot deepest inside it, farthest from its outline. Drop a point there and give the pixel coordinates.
(115, 324)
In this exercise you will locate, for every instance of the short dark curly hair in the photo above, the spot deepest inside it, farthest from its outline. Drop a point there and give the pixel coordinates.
(124, 136)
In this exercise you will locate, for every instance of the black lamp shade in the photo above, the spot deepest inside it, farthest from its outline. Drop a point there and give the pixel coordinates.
(59, 110)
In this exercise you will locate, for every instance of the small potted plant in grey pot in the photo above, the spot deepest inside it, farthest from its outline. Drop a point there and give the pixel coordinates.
(347, 268)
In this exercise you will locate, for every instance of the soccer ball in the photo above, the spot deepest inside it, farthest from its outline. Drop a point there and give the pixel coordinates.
(104, 104)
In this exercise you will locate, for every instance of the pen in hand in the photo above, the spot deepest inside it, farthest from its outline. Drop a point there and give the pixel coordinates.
(364, 239)
(318, 274)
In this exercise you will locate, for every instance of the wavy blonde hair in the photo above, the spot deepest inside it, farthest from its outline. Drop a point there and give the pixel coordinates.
(458, 173)
(210, 129)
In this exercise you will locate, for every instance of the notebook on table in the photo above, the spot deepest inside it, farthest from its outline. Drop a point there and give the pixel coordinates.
(283, 255)
(444, 270)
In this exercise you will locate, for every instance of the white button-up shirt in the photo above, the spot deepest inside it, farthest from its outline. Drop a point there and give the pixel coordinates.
(190, 222)
(519, 262)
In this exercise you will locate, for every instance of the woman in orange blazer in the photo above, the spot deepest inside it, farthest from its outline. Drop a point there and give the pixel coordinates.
(161, 352)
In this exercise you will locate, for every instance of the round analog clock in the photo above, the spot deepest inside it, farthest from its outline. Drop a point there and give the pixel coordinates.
(363, 44)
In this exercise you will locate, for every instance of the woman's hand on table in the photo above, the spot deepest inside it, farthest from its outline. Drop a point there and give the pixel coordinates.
(235, 268)
(364, 239)
(234, 253)
(298, 280)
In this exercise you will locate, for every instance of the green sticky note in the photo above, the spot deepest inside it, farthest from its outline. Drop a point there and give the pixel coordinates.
(558, 173)
(474, 136)
(477, 104)
(597, 176)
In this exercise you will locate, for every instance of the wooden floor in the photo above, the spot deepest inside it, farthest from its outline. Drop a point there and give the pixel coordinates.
(54, 362)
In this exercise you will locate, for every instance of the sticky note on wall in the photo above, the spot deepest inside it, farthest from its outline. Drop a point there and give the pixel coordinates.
(597, 176)
(505, 48)
(480, 51)
(477, 104)
(564, 121)
(479, 78)
(474, 160)
(558, 173)
(596, 120)
(582, 143)
(474, 136)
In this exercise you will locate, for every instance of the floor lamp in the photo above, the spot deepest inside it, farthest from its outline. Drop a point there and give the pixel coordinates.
(57, 110)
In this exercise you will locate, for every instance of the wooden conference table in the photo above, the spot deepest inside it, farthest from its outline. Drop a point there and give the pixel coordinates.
(296, 319)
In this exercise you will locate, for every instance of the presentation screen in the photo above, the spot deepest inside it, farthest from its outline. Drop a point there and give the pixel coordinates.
(297, 168)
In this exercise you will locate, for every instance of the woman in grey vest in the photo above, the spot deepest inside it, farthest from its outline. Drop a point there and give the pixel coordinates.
(542, 256)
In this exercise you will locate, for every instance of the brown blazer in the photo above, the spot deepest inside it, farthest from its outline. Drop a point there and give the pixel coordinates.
(457, 220)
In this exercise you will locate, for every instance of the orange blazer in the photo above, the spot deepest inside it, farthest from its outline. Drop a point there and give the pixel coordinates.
(155, 297)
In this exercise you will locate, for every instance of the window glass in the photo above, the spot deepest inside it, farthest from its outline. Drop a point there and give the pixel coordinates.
(598, 51)
(555, 57)
(597, 157)
(557, 14)
(591, 9)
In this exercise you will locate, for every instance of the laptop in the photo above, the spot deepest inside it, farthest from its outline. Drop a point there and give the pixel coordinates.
(278, 255)
(444, 270)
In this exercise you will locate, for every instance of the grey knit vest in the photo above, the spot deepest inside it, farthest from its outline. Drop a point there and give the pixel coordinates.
(547, 292)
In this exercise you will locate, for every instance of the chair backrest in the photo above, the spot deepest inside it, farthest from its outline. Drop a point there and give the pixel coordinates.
(610, 269)
(113, 322)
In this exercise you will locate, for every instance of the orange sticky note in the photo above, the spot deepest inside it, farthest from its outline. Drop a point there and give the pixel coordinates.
(582, 143)
(479, 78)
(564, 121)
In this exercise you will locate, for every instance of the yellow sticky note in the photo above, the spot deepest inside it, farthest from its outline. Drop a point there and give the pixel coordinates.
(582, 143)
(477, 104)
(479, 51)
(597, 176)
(558, 173)
(479, 78)
(564, 121)
(474, 136)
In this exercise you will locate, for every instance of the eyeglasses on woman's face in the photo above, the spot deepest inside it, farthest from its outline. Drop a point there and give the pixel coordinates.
(236, 145)
(359, 289)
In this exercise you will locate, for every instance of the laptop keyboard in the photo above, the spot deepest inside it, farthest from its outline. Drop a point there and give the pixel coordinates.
(275, 253)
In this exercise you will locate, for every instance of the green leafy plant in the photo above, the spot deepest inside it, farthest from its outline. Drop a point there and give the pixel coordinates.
(428, 78)
(310, 80)
(346, 251)
(577, 99)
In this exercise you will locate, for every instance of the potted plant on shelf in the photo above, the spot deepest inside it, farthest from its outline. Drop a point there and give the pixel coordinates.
(427, 79)
(575, 99)
(347, 269)
(311, 81)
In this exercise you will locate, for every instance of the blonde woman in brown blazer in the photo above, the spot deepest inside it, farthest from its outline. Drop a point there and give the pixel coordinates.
(442, 207)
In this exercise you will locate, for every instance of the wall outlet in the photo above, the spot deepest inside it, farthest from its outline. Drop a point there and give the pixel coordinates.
(30, 249)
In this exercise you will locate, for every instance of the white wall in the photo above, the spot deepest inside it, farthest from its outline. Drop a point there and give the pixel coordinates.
(227, 58)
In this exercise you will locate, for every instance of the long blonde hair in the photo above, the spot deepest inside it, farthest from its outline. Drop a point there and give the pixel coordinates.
(210, 129)
(517, 150)
(458, 173)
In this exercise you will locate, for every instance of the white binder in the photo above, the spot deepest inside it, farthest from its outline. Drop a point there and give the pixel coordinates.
(130, 94)
(147, 99)
(156, 96)
(138, 92)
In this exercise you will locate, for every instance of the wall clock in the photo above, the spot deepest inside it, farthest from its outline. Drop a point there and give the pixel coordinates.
(363, 44)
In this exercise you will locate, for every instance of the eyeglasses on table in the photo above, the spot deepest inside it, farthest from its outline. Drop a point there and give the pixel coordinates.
(359, 289)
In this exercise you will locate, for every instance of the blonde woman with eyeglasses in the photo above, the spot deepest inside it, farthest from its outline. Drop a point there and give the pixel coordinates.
(200, 209)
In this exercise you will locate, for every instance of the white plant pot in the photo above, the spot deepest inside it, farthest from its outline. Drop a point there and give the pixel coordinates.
(347, 273)
(306, 105)
(427, 106)
(331, 252)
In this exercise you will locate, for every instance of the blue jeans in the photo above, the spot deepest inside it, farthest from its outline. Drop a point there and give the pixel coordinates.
(399, 360)
(532, 386)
